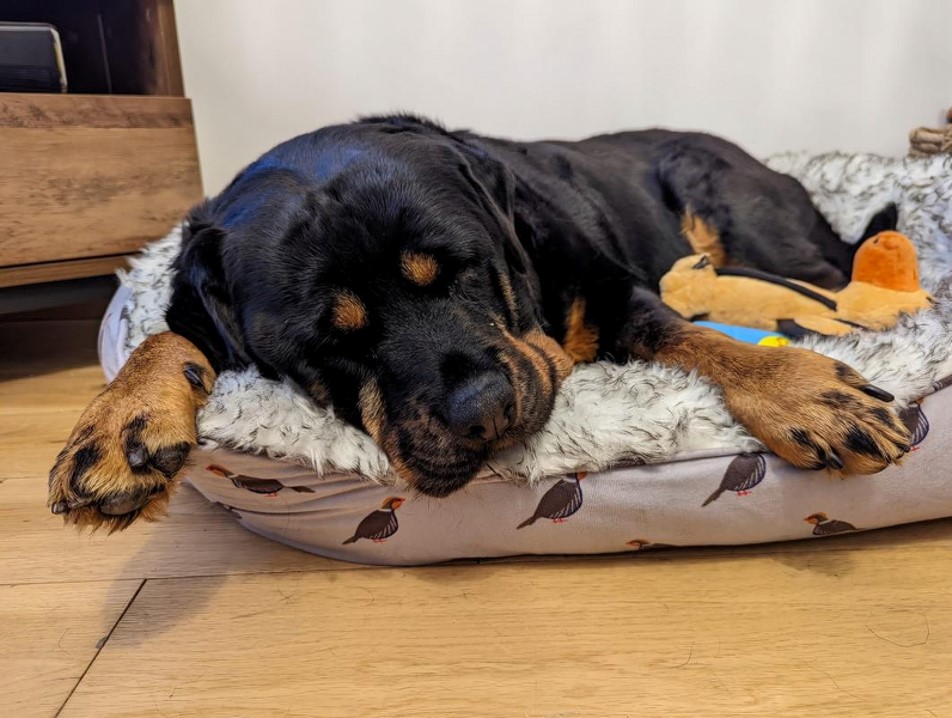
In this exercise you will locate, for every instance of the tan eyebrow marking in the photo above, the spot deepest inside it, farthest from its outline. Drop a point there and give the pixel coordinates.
(421, 269)
(349, 313)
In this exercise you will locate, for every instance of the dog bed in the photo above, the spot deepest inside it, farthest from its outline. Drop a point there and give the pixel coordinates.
(634, 457)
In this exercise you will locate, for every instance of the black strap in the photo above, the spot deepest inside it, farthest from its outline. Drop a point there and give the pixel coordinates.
(780, 281)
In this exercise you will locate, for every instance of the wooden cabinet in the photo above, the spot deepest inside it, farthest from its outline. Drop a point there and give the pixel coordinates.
(86, 179)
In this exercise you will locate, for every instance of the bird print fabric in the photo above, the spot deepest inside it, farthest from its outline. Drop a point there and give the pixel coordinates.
(916, 421)
(823, 525)
(266, 487)
(559, 502)
(743, 474)
(940, 384)
(379, 525)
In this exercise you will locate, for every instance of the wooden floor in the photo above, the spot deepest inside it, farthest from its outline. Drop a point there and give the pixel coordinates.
(196, 616)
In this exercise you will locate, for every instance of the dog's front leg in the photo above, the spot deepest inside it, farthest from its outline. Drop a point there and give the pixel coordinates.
(123, 456)
(811, 410)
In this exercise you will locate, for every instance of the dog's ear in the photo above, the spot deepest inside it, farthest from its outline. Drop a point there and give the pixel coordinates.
(203, 310)
(490, 178)
(495, 184)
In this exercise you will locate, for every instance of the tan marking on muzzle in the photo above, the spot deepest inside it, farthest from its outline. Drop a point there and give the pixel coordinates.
(508, 294)
(421, 269)
(370, 403)
(349, 313)
(581, 337)
(704, 239)
(536, 346)
(562, 362)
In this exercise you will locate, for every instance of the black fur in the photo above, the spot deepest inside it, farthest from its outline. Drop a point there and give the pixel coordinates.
(598, 220)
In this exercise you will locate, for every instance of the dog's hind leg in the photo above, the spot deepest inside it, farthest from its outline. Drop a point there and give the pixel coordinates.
(738, 211)
(123, 458)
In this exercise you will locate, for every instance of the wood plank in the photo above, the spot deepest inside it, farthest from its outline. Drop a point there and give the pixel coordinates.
(197, 538)
(23, 110)
(859, 636)
(57, 271)
(164, 76)
(72, 186)
(49, 635)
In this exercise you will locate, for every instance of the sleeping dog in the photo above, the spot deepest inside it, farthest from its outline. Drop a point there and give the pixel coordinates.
(435, 287)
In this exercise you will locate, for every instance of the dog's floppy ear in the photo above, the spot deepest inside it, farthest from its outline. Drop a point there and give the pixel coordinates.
(203, 311)
(489, 177)
(495, 184)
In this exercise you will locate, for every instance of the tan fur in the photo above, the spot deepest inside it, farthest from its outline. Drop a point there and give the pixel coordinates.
(508, 294)
(776, 390)
(421, 269)
(349, 313)
(370, 403)
(704, 239)
(547, 345)
(581, 337)
(150, 385)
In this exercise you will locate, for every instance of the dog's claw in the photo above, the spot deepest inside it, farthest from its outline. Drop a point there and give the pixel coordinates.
(877, 393)
(835, 461)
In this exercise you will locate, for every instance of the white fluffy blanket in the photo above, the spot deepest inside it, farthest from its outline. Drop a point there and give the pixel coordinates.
(608, 414)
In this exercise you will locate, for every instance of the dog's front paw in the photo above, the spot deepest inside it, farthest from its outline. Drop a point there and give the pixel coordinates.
(818, 413)
(122, 458)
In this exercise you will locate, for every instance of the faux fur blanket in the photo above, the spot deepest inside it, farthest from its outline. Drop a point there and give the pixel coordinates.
(608, 414)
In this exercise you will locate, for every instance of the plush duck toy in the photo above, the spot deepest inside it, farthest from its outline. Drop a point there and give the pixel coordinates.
(885, 285)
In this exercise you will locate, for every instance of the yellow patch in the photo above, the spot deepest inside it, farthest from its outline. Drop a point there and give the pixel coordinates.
(581, 338)
(421, 269)
(349, 313)
(704, 239)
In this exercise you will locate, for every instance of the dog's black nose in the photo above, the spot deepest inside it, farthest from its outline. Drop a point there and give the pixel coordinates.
(481, 407)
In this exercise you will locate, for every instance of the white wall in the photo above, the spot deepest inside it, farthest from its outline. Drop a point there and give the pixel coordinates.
(770, 74)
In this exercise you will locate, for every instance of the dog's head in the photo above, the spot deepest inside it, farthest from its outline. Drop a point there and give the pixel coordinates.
(385, 276)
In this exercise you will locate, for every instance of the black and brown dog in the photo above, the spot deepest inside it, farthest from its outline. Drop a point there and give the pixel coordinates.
(435, 287)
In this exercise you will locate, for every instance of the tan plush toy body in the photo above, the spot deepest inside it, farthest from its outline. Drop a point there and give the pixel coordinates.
(885, 285)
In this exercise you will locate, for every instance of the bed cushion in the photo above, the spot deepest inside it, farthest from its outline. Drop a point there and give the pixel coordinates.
(634, 457)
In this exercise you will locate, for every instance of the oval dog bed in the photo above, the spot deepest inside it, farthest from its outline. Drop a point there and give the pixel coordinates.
(634, 457)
